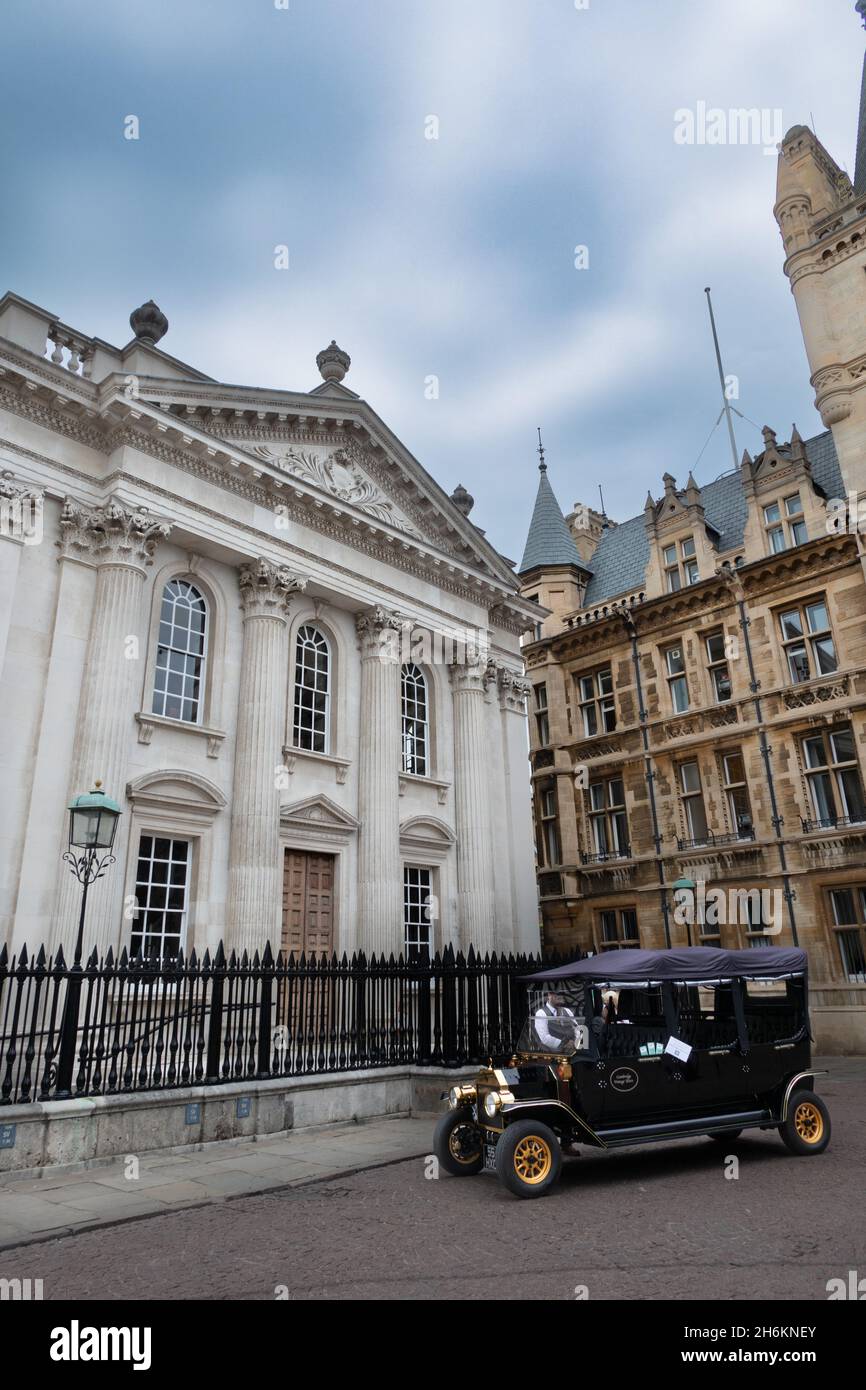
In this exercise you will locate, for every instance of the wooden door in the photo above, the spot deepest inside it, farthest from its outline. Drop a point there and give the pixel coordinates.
(308, 903)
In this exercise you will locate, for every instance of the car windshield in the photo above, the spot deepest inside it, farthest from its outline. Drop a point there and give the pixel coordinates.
(557, 1020)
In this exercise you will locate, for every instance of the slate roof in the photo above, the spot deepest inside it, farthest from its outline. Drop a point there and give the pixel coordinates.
(620, 559)
(549, 541)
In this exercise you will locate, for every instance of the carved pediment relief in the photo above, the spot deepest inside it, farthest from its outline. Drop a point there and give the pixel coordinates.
(178, 789)
(339, 473)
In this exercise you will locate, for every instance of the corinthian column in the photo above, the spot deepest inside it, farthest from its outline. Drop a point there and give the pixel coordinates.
(475, 878)
(119, 540)
(380, 887)
(255, 877)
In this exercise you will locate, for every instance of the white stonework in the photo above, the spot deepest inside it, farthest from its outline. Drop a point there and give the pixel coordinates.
(277, 513)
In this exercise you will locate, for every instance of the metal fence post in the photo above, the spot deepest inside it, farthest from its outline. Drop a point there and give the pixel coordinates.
(214, 1032)
(68, 1032)
(266, 980)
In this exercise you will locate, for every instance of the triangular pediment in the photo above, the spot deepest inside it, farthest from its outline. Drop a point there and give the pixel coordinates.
(319, 811)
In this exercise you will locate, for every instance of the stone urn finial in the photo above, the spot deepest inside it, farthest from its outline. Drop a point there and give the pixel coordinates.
(148, 323)
(463, 500)
(333, 362)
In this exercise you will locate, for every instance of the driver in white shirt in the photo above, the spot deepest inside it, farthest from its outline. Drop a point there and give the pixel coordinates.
(555, 1007)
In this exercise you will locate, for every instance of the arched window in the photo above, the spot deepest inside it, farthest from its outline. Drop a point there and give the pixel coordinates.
(178, 685)
(312, 690)
(415, 719)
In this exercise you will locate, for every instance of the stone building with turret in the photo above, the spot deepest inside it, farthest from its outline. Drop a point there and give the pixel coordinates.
(698, 702)
(289, 655)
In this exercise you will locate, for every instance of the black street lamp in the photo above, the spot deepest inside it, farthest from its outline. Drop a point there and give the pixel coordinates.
(93, 818)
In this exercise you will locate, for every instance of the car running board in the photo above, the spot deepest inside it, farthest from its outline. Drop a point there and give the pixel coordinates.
(680, 1129)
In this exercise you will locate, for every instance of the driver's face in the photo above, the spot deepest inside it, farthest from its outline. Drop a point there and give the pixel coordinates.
(554, 998)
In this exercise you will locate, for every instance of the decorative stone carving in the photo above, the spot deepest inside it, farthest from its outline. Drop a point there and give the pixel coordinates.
(340, 475)
(815, 694)
(148, 323)
(378, 631)
(463, 500)
(111, 534)
(268, 589)
(475, 673)
(333, 362)
(513, 688)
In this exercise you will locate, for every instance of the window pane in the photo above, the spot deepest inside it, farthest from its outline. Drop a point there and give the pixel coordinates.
(792, 624)
(799, 534)
(616, 796)
(697, 817)
(853, 956)
(817, 617)
(772, 513)
(777, 540)
(716, 646)
(690, 778)
(670, 554)
(842, 743)
(822, 796)
(688, 547)
(842, 903)
(675, 660)
(722, 683)
(815, 752)
(793, 505)
(825, 654)
(734, 768)
(680, 694)
(605, 682)
(851, 790)
(590, 720)
(587, 689)
(674, 582)
(798, 663)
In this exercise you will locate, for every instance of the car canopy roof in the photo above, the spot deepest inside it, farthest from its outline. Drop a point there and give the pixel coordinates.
(689, 965)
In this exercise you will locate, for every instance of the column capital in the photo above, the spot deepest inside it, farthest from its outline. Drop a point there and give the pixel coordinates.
(268, 589)
(378, 632)
(472, 674)
(111, 534)
(20, 509)
(513, 688)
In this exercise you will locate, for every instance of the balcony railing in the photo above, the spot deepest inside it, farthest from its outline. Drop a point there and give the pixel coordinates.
(832, 823)
(710, 841)
(605, 855)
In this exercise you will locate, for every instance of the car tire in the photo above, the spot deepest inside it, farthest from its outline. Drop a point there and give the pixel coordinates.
(528, 1159)
(806, 1129)
(457, 1143)
(724, 1136)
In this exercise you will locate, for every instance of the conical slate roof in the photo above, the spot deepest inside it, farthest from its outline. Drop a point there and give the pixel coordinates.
(549, 541)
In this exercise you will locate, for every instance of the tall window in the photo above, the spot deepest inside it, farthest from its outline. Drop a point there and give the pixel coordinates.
(608, 819)
(180, 653)
(848, 908)
(681, 566)
(808, 642)
(737, 792)
(415, 716)
(312, 690)
(618, 927)
(717, 665)
(597, 705)
(542, 718)
(549, 824)
(692, 796)
(675, 664)
(833, 775)
(417, 905)
(161, 891)
(784, 524)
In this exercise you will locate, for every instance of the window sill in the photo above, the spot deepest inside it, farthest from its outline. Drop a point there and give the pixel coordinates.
(148, 722)
(340, 765)
(412, 779)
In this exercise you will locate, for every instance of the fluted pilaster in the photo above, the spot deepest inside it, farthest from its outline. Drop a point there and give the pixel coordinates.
(253, 914)
(475, 878)
(380, 884)
(120, 541)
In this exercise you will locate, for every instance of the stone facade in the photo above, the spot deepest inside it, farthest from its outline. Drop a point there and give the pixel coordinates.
(698, 716)
(210, 598)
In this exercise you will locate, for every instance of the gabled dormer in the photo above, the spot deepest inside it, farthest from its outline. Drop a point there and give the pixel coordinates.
(683, 544)
(786, 507)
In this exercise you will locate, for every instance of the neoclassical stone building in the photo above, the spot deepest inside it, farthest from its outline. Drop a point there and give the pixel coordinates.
(289, 655)
(699, 684)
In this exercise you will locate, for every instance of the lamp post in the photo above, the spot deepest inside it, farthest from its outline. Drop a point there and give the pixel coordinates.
(687, 885)
(93, 818)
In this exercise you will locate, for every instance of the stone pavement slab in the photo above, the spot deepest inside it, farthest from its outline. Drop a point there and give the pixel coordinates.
(32, 1209)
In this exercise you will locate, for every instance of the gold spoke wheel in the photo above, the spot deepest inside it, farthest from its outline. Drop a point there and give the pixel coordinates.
(809, 1123)
(532, 1159)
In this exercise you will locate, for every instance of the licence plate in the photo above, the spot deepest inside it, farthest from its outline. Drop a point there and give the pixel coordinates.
(489, 1156)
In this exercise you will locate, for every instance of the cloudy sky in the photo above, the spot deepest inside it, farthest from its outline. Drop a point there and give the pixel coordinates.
(452, 257)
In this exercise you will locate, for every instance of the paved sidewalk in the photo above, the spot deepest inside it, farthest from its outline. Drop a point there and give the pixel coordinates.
(62, 1202)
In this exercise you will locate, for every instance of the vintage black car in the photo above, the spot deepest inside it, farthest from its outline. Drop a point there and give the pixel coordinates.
(632, 1047)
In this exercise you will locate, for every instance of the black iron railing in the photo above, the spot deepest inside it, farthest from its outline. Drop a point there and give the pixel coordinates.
(604, 856)
(143, 1024)
(710, 840)
(832, 823)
